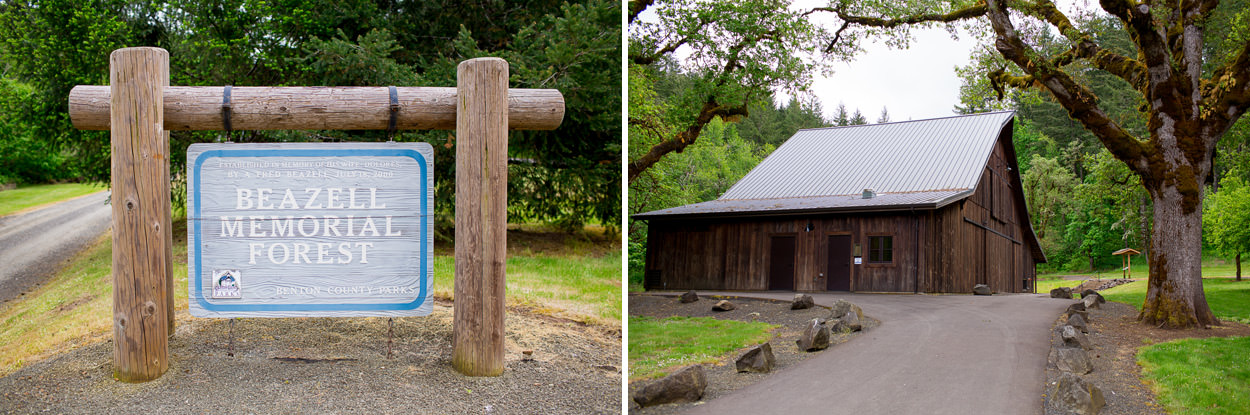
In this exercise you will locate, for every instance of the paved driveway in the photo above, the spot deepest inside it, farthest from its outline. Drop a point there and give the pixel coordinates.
(932, 354)
(33, 245)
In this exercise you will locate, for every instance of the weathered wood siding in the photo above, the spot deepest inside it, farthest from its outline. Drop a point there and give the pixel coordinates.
(734, 254)
(980, 240)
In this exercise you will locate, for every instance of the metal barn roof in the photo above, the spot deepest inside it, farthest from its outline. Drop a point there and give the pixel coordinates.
(909, 164)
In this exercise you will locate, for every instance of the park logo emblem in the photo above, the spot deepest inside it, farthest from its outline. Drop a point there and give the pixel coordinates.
(226, 284)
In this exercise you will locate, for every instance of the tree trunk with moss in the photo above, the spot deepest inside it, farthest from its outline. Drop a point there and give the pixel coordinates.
(1174, 297)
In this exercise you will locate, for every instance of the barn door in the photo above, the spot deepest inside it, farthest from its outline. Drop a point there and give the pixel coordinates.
(839, 259)
(781, 264)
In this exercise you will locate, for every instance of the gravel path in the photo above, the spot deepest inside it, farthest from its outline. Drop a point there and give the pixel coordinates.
(932, 354)
(34, 244)
(1117, 337)
(336, 365)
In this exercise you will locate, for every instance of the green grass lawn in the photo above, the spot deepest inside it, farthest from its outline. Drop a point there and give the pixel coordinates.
(1229, 299)
(1200, 376)
(26, 197)
(587, 289)
(659, 345)
(1212, 266)
(1044, 285)
(73, 308)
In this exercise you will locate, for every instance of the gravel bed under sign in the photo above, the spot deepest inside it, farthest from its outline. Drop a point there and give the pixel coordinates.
(336, 365)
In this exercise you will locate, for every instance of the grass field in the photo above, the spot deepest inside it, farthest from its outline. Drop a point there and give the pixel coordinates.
(27, 197)
(1229, 299)
(1212, 266)
(74, 307)
(1200, 376)
(587, 289)
(1044, 285)
(659, 345)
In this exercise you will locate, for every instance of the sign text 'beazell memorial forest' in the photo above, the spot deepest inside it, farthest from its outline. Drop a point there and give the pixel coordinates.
(310, 229)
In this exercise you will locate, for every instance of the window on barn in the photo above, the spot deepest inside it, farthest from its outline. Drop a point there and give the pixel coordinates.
(880, 249)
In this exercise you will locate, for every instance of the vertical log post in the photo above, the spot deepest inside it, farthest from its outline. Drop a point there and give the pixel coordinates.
(140, 199)
(481, 216)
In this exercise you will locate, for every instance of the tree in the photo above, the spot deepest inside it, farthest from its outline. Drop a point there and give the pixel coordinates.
(567, 176)
(858, 118)
(1193, 95)
(738, 53)
(885, 116)
(1227, 220)
(841, 118)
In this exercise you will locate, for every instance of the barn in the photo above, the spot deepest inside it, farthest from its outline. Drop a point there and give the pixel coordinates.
(932, 206)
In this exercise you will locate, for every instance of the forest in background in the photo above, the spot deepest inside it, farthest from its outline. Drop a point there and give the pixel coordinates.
(1083, 202)
(568, 177)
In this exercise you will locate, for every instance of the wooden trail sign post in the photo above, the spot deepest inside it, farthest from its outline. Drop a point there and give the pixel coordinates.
(139, 108)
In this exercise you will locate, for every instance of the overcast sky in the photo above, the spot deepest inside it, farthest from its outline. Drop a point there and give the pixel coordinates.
(915, 83)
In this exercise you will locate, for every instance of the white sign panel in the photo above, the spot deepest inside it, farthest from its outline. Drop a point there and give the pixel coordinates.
(310, 229)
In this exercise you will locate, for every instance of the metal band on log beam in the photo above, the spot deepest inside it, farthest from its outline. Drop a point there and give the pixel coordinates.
(317, 108)
(141, 223)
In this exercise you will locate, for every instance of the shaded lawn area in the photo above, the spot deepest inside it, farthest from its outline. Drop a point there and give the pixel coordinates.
(27, 197)
(1200, 376)
(659, 345)
(1229, 299)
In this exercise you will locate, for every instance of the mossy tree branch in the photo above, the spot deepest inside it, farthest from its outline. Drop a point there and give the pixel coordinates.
(711, 110)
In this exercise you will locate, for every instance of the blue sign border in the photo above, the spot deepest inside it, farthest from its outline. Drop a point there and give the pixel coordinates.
(425, 224)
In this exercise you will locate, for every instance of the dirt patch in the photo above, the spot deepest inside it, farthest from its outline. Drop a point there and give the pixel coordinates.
(1117, 336)
(86, 298)
(722, 377)
(335, 365)
(530, 240)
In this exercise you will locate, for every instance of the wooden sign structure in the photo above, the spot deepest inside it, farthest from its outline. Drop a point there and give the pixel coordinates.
(141, 108)
(310, 229)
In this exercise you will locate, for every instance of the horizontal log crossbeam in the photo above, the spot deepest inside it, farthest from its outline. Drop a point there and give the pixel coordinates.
(317, 108)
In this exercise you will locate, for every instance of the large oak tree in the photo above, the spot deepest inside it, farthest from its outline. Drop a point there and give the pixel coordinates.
(1190, 103)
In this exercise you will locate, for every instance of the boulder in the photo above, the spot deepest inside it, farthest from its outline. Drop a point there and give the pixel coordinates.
(1061, 292)
(1078, 308)
(689, 297)
(685, 385)
(1088, 292)
(841, 307)
(1078, 321)
(802, 301)
(759, 359)
(981, 289)
(1073, 360)
(850, 322)
(723, 305)
(1074, 338)
(814, 337)
(1092, 301)
(1073, 395)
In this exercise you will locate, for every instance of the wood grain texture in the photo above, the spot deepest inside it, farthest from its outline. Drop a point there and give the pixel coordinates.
(140, 199)
(379, 194)
(317, 108)
(481, 216)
